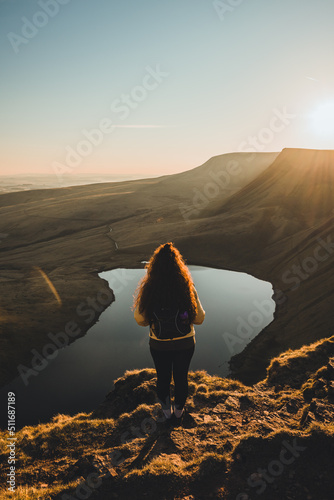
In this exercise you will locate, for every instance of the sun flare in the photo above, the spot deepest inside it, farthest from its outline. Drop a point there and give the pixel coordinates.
(323, 119)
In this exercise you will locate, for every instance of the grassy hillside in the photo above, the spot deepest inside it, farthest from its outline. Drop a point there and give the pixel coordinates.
(64, 235)
(265, 214)
(275, 440)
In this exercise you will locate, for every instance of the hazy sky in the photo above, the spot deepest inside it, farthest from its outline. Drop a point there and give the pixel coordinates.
(168, 83)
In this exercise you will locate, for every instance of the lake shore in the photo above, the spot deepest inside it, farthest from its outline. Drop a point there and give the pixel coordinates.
(62, 237)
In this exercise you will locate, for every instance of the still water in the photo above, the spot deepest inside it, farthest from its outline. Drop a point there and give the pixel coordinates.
(237, 305)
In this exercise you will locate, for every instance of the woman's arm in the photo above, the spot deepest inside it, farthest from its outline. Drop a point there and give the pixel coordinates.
(141, 320)
(200, 312)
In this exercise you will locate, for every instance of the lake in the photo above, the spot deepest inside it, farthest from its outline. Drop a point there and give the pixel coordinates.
(237, 305)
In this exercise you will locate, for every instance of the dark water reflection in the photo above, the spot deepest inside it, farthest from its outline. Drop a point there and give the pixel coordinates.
(238, 306)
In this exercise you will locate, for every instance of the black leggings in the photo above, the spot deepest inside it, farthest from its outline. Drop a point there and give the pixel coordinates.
(176, 362)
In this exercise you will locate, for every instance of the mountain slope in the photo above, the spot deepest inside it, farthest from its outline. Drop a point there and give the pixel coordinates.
(65, 236)
(279, 227)
(269, 228)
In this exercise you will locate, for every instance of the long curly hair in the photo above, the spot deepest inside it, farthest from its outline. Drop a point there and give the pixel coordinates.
(167, 283)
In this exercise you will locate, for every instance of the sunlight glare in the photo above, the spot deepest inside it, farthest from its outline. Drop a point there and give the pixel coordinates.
(323, 119)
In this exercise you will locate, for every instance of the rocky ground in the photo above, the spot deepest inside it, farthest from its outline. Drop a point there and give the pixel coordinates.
(273, 441)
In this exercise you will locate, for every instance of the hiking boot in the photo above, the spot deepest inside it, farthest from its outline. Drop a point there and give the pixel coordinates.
(166, 408)
(167, 413)
(178, 412)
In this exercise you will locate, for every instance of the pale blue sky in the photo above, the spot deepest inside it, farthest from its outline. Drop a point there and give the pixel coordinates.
(228, 76)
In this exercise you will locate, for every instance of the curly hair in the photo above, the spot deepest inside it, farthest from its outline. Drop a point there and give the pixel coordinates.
(167, 283)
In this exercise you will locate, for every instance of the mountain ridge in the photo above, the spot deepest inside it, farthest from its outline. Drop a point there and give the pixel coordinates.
(68, 236)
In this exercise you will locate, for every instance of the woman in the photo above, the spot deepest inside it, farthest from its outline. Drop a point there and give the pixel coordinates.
(167, 301)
